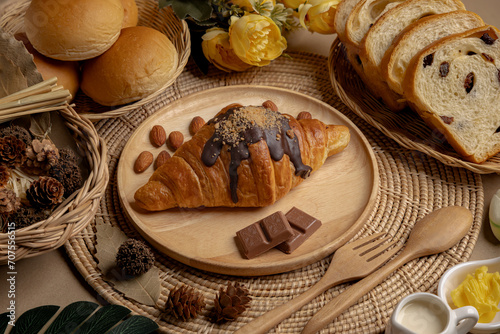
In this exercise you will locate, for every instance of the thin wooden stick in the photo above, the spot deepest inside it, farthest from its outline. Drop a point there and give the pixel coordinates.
(44, 86)
(35, 101)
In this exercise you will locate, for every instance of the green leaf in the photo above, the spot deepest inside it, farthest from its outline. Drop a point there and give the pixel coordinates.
(200, 10)
(135, 325)
(33, 320)
(71, 317)
(4, 322)
(102, 320)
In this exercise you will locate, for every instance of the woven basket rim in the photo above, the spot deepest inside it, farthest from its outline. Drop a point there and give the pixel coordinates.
(182, 42)
(78, 210)
(372, 114)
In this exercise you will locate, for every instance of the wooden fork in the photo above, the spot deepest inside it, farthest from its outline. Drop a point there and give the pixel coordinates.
(352, 261)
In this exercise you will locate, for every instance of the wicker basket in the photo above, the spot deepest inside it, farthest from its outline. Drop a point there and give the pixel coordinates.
(405, 127)
(150, 15)
(78, 210)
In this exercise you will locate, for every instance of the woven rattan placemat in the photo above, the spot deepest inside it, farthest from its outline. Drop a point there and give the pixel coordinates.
(411, 185)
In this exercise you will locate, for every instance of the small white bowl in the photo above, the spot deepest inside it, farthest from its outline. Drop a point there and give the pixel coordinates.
(456, 275)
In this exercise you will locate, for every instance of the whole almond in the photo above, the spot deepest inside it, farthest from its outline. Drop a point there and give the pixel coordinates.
(304, 115)
(175, 140)
(162, 157)
(196, 124)
(144, 160)
(158, 136)
(270, 105)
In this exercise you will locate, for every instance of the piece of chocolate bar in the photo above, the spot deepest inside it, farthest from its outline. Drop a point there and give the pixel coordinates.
(264, 234)
(303, 226)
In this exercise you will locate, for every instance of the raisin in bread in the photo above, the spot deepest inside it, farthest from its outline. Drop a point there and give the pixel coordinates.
(380, 36)
(417, 36)
(454, 85)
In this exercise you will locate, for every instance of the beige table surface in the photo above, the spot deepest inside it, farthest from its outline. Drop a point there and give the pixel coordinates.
(52, 279)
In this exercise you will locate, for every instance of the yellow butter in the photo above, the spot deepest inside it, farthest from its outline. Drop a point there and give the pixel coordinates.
(481, 290)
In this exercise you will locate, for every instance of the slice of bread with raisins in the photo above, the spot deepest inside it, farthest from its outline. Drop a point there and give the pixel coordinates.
(454, 85)
(419, 35)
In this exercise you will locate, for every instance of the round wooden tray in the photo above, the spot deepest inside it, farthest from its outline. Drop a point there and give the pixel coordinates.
(341, 193)
(405, 127)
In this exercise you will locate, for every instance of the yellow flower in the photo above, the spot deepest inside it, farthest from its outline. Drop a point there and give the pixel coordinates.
(256, 39)
(318, 15)
(247, 4)
(218, 51)
(294, 4)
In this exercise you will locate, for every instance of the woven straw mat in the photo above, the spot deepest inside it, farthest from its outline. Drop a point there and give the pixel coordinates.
(411, 185)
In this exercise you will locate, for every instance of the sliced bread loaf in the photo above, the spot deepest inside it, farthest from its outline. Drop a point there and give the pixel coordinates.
(344, 9)
(417, 36)
(454, 85)
(363, 16)
(380, 36)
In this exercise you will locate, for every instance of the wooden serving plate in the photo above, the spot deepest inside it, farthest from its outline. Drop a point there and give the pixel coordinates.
(342, 193)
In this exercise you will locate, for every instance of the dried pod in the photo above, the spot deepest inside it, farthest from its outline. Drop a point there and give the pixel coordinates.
(9, 202)
(4, 175)
(134, 257)
(41, 156)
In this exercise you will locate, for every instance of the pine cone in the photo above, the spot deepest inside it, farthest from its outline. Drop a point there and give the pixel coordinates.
(45, 192)
(184, 303)
(9, 202)
(27, 216)
(17, 131)
(12, 151)
(4, 175)
(68, 173)
(230, 303)
(41, 156)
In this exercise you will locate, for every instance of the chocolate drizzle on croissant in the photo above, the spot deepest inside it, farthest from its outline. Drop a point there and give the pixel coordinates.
(239, 127)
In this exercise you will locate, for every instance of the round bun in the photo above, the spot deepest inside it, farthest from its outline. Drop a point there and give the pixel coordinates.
(73, 30)
(140, 62)
(67, 72)
(131, 13)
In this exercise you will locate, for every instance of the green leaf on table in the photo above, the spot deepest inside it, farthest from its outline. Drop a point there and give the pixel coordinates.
(145, 288)
(4, 322)
(200, 10)
(102, 320)
(71, 317)
(135, 325)
(32, 321)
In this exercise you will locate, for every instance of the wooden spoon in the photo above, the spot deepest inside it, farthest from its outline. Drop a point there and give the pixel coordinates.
(435, 233)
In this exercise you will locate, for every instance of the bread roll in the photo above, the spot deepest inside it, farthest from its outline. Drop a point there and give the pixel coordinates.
(419, 35)
(73, 30)
(67, 72)
(131, 13)
(454, 85)
(140, 62)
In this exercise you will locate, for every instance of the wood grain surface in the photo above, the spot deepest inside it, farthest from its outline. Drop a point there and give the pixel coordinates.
(341, 193)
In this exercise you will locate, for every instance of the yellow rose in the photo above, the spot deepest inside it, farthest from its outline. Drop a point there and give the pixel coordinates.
(256, 39)
(318, 15)
(247, 4)
(294, 4)
(218, 51)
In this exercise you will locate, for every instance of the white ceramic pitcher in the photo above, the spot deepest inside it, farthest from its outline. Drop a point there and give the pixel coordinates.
(427, 313)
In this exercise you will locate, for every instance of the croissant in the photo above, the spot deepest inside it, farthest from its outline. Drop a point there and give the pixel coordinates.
(244, 157)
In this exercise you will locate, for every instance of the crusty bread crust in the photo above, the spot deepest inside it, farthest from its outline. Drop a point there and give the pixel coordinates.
(344, 9)
(454, 85)
(417, 36)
